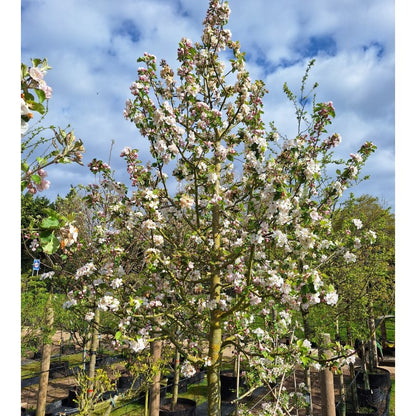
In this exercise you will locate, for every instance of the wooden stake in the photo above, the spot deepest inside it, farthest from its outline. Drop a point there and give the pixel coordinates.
(156, 351)
(327, 382)
(46, 360)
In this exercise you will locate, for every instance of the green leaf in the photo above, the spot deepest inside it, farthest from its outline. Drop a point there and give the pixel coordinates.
(37, 107)
(41, 95)
(25, 167)
(29, 97)
(49, 242)
(305, 360)
(50, 223)
(36, 178)
(41, 161)
(118, 335)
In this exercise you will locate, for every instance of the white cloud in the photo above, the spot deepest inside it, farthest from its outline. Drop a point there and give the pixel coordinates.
(93, 48)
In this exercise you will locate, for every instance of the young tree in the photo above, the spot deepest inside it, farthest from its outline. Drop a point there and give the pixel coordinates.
(244, 233)
(38, 152)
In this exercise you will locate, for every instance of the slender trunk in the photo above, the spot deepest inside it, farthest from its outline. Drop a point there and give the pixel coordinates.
(156, 351)
(213, 373)
(46, 360)
(238, 382)
(214, 369)
(308, 332)
(343, 404)
(364, 367)
(175, 381)
(146, 403)
(342, 391)
(93, 352)
(383, 333)
(353, 388)
(373, 337)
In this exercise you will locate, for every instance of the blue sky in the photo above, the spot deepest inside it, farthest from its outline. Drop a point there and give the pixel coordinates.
(93, 47)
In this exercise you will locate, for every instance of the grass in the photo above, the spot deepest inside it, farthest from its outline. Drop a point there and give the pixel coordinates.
(196, 392)
(392, 399)
(32, 369)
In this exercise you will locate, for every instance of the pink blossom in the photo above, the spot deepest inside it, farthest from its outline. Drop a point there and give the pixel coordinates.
(36, 73)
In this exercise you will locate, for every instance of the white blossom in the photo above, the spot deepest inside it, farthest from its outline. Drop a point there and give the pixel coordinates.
(331, 298)
(187, 369)
(350, 257)
(358, 223)
(138, 344)
(85, 270)
(47, 275)
(89, 316)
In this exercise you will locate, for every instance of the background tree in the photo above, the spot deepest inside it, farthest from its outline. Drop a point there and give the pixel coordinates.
(369, 277)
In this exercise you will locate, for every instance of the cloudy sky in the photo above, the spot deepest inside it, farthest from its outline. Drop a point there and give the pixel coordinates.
(93, 47)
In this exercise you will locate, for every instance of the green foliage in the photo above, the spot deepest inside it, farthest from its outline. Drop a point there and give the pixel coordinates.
(87, 397)
(369, 278)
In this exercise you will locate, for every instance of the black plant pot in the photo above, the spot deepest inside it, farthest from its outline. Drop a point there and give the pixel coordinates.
(196, 378)
(379, 394)
(182, 385)
(142, 396)
(59, 369)
(68, 349)
(70, 400)
(53, 407)
(229, 385)
(184, 407)
(126, 382)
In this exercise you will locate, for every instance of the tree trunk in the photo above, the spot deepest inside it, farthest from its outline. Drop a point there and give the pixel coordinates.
(93, 352)
(156, 351)
(327, 383)
(214, 369)
(373, 336)
(175, 381)
(343, 393)
(215, 334)
(353, 388)
(307, 374)
(46, 360)
(383, 333)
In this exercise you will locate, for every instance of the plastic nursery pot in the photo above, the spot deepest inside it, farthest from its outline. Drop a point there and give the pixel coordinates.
(184, 407)
(58, 369)
(53, 408)
(196, 378)
(182, 386)
(126, 382)
(69, 401)
(379, 377)
(379, 394)
(229, 385)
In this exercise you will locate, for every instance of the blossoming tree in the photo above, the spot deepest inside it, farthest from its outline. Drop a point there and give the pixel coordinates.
(38, 152)
(230, 240)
